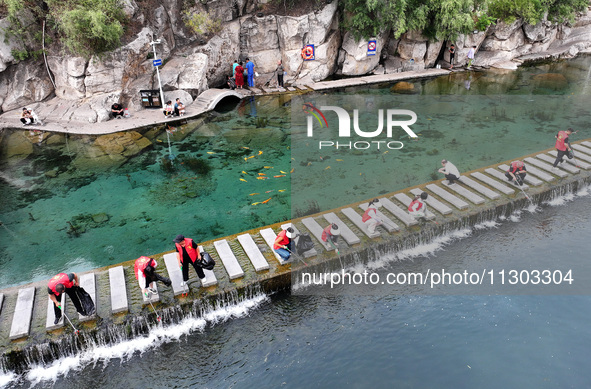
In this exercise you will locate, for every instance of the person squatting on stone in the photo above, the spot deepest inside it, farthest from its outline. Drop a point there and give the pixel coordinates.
(331, 234)
(117, 111)
(517, 172)
(418, 207)
(59, 284)
(283, 243)
(188, 253)
(145, 273)
(562, 146)
(27, 117)
(370, 216)
(450, 171)
(168, 109)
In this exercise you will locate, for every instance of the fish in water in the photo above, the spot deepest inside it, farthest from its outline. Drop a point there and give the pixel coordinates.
(291, 171)
(309, 164)
(339, 160)
(268, 167)
(260, 152)
(252, 194)
(262, 178)
(266, 201)
(326, 168)
(242, 179)
(261, 174)
(281, 175)
(210, 152)
(243, 172)
(269, 191)
(246, 148)
(281, 171)
(255, 203)
(282, 190)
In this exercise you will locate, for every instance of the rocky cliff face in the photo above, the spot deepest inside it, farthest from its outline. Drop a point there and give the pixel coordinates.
(192, 63)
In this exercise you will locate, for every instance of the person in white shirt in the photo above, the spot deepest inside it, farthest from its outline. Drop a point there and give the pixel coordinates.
(450, 170)
(470, 56)
(418, 208)
(370, 216)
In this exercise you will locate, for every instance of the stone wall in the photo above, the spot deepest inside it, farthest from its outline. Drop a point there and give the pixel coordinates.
(194, 63)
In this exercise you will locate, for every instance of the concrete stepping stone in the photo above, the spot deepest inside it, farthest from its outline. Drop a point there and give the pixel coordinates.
(406, 200)
(23, 312)
(586, 144)
(568, 167)
(356, 219)
(316, 230)
(473, 197)
(49, 326)
(433, 202)
(403, 216)
(544, 166)
(581, 158)
(291, 89)
(88, 282)
(583, 153)
(252, 251)
(269, 236)
(175, 274)
(494, 183)
(479, 188)
(210, 277)
(228, 259)
(530, 179)
(390, 226)
(118, 290)
(310, 253)
(346, 232)
(450, 198)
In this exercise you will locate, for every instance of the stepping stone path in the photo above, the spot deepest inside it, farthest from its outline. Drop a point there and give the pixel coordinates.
(494, 183)
(228, 259)
(530, 179)
(88, 282)
(118, 290)
(388, 225)
(356, 219)
(568, 167)
(433, 202)
(175, 274)
(316, 230)
(307, 254)
(450, 198)
(346, 232)
(405, 200)
(51, 314)
(23, 313)
(399, 213)
(252, 251)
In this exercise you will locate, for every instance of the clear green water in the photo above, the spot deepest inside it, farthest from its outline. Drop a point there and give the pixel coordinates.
(139, 205)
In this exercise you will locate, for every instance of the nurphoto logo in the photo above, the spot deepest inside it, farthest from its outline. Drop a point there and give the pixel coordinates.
(394, 118)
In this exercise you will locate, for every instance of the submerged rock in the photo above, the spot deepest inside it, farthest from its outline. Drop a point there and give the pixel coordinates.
(402, 87)
(552, 81)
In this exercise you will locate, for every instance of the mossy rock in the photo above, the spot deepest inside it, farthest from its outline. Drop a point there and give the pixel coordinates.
(403, 87)
(100, 218)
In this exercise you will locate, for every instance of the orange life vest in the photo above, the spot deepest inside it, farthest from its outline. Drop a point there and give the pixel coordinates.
(61, 278)
(562, 135)
(140, 265)
(412, 203)
(190, 250)
(283, 242)
(366, 216)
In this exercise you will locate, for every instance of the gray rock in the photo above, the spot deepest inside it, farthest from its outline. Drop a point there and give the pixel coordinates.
(433, 50)
(221, 51)
(319, 69)
(535, 33)
(511, 43)
(356, 61)
(503, 30)
(24, 84)
(260, 33)
(185, 97)
(68, 75)
(7, 45)
(129, 7)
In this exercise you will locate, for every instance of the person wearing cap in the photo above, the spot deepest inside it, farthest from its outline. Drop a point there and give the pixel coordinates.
(59, 284)
(417, 207)
(450, 171)
(145, 273)
(283, 243)
(188, 253)
(331, 234)
(370, 216)
(516, 172)
(562, 146)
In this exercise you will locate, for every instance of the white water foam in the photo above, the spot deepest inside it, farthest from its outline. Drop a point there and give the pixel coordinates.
(6, 379)
(560, 200)
(486, 225)
(127, 349)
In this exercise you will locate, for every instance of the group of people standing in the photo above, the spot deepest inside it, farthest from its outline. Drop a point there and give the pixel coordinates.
(239, 72)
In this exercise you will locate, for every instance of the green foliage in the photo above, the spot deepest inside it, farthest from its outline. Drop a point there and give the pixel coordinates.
(531, 11)
(201, 23)
(20, 55)
(89, 26)
(483, 22)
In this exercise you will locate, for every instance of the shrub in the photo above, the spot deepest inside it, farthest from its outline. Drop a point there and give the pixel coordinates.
(201, 23)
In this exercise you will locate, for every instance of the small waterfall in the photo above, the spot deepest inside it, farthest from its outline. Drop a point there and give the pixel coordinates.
(47, 361)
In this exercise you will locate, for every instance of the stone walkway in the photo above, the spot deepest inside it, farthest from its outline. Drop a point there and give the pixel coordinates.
(52, 113)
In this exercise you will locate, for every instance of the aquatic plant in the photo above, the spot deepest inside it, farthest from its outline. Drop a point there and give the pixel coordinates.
(166, 165)
(261, 122)
(197, 165)
(312, 208)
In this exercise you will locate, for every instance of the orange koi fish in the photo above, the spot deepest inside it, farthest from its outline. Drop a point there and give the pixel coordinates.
(242, 179)
(255, 203)
(282, 172)
(326, 168)
(268, 167)
(281, 190)
(291, 171)
(260, 152)
(262, 178)
(269, 191)
(252, 194)
(266, 201)
(281, 175)
(261, 174)
(243, 172)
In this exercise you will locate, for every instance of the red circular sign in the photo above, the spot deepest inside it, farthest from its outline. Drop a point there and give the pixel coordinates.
(371, 45)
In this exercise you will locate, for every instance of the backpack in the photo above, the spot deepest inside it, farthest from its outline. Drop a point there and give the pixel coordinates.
(207, 261)
(304, 243)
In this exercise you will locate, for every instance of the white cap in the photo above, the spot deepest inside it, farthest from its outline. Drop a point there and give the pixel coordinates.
(334, 230)
(289, 232)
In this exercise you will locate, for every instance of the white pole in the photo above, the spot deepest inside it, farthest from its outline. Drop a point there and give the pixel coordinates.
(158, 74)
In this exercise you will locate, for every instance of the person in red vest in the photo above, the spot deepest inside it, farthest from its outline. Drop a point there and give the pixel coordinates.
(417, 207)
(517, 172)
(370, 216)
(188, 253)
(145, 273)
(59, 284)
(331, 232)
(562, 146)
(283, 243)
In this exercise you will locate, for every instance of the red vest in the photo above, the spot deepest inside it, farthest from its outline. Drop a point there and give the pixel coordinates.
(412, 204)
(140, 265)
(366, 216)
(326, 233)
(283, 242)
(516, 165)
(562, 135)
(61, 278)
(190, 250)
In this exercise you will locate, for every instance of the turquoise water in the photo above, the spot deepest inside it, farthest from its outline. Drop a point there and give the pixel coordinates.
(70, 205)
(404, 339)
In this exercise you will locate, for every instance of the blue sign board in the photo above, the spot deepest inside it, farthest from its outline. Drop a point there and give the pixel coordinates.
(157, 62)
(371, 47)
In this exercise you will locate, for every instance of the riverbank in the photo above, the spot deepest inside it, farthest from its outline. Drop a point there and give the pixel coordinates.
(481, 196)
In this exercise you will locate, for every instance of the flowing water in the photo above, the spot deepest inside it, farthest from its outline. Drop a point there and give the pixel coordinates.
(404, 339)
